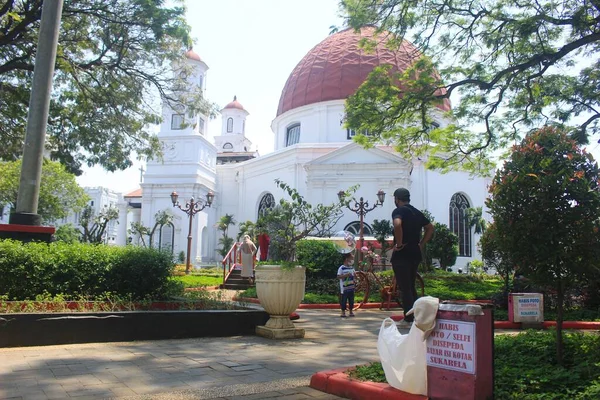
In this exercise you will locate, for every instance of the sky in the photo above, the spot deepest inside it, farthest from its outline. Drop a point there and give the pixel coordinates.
(250, 47)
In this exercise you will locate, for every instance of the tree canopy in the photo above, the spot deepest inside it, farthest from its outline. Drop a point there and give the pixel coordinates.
(59, 192)
(516, 65)
(546, 207)
(114, 59)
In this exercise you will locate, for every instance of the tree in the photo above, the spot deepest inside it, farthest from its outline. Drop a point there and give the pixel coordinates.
(294, 219)
(67, 233)
(546, 207)
(161, 218)
(475, 220)
(225, 241)
(443, 245)
(93, 225)
(113, 57)
(382, 230)
(516, 65)
(59, 192)
(494, 256)
(247, 228)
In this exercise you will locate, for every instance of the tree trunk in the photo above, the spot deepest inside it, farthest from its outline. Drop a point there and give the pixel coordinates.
(559, 322)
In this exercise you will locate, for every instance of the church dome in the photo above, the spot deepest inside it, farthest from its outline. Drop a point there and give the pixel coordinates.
(336, 67)
(234, 104)
(192, 55)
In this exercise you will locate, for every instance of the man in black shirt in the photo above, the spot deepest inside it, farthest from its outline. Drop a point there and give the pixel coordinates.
(408, 244)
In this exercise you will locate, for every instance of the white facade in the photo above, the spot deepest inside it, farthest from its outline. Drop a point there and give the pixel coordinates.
(101, 198)
(314, 153)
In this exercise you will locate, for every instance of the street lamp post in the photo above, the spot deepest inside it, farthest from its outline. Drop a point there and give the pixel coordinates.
(191, 208)
(361, 208)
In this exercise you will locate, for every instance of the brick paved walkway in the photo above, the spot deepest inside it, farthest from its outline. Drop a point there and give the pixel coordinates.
(244, 367)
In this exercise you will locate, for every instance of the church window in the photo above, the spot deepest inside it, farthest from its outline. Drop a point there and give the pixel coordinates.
(228, 146)
(350, 133)
(459, 224)
(201, 125)
(292, 135)
(432, 126)
(354, 228)
(229, 125)
(267, 202)
(166, 238)
(201, 81)
(177, 122)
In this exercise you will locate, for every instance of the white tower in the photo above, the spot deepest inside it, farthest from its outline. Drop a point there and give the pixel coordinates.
(188, 166)
(232, 145)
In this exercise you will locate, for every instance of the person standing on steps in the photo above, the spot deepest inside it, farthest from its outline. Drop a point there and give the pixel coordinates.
(408, 246)
(248, 249)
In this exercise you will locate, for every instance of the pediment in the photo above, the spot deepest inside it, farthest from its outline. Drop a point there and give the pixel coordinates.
(354, 153)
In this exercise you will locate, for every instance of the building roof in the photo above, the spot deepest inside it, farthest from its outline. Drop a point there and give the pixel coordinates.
(192, 55)
(336, 67)
(135, 193)
(234, 104)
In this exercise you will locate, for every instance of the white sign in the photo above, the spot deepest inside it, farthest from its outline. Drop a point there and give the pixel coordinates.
(529, 308)
(452, 346)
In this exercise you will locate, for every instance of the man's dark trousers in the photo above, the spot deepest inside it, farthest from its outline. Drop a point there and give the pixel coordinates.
(405, 271)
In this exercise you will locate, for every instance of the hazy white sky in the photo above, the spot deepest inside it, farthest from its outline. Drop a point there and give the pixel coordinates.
(250, 47)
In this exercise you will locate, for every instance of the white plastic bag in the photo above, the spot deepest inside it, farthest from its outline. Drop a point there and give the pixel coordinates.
(403, 358)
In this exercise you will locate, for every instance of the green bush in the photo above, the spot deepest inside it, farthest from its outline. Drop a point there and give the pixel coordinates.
(323, 286)
(320, 258)
(81, 269)
(525, 367)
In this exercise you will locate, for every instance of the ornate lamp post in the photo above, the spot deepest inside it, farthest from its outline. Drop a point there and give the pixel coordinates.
(361, 208)
(191, 208)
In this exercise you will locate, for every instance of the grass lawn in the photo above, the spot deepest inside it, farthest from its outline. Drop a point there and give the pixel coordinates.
(191, 281)
(526, 368)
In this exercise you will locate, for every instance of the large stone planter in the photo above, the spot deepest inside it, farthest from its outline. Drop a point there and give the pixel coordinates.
(280, 293)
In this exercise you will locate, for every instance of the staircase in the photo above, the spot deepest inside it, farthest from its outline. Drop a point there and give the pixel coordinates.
(236, 282)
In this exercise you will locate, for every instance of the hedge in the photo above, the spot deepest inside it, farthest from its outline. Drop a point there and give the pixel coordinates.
(320, 258)
(81, 269)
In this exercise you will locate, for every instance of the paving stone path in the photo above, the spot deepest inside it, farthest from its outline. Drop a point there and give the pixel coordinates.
(243, 367)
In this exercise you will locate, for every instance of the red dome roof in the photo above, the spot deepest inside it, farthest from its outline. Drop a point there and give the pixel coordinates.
(234, 104)
(192, 55)
(336, 67)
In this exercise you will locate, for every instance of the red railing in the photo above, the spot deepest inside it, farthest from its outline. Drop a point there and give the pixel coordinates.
(232, 258)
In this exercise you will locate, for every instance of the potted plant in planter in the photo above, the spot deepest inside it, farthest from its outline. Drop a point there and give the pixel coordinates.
(280, 282)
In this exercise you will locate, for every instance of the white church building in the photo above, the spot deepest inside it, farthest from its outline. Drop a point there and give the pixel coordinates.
(313, 153)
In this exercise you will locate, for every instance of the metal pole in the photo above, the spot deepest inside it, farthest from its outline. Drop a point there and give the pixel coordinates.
(362, 238)
(188, 264)
(37, 118)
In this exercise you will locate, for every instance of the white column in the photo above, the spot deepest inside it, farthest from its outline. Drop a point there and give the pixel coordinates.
(122, 228)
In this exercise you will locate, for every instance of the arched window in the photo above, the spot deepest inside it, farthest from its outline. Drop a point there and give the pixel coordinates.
(459, 225)
(201, 81)
(267, 202)
(228, 146)
(229, 125)
(166, 239)
(354, 228)
(292, 135)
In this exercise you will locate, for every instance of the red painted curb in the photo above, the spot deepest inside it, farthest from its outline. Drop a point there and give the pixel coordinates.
(337, 382)
(592, 325)
(27, 228)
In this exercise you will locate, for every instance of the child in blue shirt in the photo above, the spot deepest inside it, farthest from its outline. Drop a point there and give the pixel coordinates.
(346, 275)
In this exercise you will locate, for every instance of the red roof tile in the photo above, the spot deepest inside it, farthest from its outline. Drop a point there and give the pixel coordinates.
(336, 67)
(234, 104)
